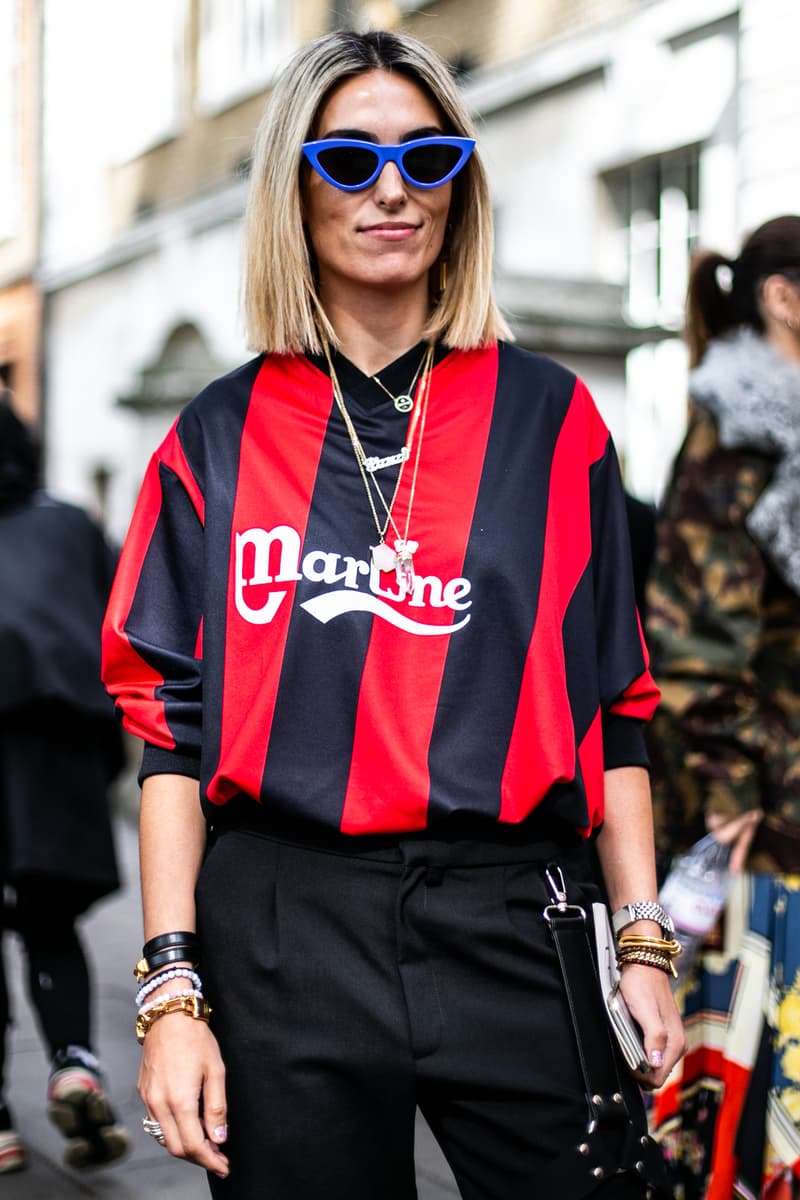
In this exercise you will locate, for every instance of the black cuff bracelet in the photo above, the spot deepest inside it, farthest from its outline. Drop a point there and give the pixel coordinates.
(187, 950)
(145, 966)
(165, 941)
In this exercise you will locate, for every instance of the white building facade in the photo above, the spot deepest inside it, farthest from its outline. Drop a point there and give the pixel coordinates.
(612, 154)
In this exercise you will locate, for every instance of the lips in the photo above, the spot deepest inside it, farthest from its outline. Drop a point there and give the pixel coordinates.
(390, 229)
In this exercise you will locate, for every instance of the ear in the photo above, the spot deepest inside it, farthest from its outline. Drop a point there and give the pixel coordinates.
(779, 298)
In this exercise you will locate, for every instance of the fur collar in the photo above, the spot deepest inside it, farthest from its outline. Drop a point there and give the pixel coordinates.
(754, 395)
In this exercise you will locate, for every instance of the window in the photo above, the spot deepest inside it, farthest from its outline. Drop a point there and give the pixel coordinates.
(656, 207)
(148, 80)
(242, 44)
(10, 140)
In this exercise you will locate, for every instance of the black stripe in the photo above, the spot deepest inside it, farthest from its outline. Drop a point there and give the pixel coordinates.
(311, 741)
(210, 431)
(175, 607)
(485, 662)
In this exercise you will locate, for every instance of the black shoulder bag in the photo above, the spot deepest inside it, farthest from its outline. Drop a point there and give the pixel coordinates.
(615, 1139)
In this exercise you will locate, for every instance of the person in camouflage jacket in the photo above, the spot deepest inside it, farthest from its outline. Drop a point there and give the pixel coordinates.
(724, 596)
(724, 633)
(723, 623)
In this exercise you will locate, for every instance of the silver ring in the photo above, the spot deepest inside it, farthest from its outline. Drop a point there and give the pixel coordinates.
(153, 1128)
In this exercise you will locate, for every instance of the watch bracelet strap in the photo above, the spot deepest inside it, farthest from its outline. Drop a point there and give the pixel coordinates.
(641, 910)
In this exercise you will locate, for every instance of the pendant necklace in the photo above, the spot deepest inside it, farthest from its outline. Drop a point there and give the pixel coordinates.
(401, 559)
(405, 401)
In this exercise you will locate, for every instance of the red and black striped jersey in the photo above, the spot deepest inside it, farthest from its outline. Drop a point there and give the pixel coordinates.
(251, 641)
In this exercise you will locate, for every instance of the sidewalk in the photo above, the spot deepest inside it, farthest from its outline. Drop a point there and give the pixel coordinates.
(113, 939)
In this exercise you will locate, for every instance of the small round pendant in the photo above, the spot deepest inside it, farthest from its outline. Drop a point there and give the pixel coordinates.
(403, 404)
(383, 557)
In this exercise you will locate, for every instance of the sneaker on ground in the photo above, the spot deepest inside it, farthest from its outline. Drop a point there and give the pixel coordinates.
(12, 1151)
(78, 1105)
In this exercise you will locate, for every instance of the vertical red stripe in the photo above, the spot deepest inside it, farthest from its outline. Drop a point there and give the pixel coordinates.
(542, 748)
(281, 443)
(590, 757)
(389, 782)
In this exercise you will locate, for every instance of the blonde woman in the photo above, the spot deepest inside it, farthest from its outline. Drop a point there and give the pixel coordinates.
(375, 622)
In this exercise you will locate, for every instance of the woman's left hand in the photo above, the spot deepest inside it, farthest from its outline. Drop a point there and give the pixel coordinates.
(647, 991)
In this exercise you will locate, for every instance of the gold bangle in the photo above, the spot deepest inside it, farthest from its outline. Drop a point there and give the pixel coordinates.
(633, 941)
(648, 958)
(193, 1006)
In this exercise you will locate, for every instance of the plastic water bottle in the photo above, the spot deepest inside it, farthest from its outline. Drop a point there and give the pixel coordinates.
(693, 894)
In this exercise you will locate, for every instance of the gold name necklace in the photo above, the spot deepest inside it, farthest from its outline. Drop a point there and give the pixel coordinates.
(401, 558)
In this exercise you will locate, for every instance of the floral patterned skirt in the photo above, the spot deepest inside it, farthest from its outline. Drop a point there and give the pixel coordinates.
(729, 1117)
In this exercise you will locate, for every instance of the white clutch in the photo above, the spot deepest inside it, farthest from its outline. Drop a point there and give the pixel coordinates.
(626, 1030)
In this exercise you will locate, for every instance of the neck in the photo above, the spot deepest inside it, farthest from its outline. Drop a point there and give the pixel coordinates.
(375, 328)
(786, 341)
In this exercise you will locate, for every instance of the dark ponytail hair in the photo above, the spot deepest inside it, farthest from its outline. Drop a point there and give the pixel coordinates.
(19, 455)
(725, 293)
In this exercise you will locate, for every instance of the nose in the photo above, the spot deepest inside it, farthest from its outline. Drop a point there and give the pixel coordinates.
(390, 187)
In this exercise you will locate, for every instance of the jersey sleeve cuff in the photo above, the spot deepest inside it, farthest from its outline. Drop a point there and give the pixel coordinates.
(157, 761)
(623, 742)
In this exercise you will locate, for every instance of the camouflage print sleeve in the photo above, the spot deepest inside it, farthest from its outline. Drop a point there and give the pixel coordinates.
(718, 726)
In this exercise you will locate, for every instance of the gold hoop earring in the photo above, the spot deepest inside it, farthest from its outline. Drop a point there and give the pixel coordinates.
(442, 276)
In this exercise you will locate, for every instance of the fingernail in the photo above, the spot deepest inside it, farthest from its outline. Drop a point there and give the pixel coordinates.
(221, 1133)
(656, 1058)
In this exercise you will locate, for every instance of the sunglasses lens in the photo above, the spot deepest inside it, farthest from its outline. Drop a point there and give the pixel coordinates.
(349, 165)
(430, 164)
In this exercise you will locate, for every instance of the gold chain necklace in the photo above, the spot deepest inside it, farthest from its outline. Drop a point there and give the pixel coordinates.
(405, 401)
(401, 559)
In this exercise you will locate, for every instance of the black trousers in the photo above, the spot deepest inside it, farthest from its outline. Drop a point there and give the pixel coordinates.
(58, 981)
(351, 986)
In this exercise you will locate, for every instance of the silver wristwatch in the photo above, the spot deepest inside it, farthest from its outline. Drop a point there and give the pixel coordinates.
(642, 910)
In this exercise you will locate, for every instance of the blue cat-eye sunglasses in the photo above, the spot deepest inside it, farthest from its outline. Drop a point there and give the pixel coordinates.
(350, 164)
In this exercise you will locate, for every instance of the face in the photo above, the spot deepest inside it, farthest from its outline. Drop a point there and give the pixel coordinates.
(389, 234)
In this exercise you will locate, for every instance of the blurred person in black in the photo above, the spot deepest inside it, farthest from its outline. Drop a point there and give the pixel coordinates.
(642, 529)
(60, 749)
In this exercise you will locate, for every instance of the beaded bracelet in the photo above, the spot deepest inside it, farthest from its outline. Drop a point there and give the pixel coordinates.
(146, 1008)
(164, 977)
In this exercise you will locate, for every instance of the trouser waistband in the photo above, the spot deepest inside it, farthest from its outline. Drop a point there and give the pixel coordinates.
(464, 839)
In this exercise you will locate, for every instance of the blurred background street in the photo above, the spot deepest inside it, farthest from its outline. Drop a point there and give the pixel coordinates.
(113, 937)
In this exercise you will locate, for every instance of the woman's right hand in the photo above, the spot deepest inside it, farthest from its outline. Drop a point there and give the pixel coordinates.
(182, 1084)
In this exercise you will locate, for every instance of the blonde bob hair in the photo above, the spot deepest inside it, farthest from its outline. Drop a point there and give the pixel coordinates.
(282, 308)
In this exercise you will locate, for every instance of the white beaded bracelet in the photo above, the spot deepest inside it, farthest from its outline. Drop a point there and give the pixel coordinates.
(171, 996)
(164, 977)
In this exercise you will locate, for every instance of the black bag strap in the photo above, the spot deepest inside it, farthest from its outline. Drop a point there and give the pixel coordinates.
(612, 1142)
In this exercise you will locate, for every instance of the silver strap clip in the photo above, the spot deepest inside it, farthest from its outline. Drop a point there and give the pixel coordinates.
(558, 891)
